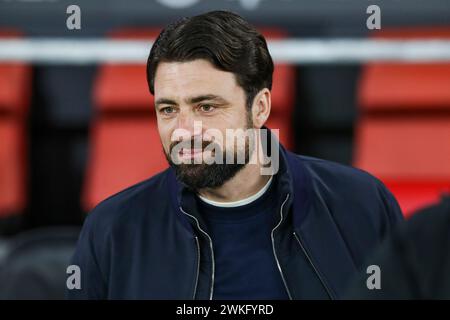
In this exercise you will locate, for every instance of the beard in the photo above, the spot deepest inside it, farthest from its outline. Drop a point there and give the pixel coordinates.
(212, 175)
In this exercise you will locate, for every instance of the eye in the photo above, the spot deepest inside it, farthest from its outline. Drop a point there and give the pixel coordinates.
(206, 107)
(167, 110)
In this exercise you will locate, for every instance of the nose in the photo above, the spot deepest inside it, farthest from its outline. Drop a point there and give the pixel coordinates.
(185, 120)
(187, 127)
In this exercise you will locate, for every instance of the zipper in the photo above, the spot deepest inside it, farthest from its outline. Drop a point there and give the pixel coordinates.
(211, 291)
(274, 251)
(198, 267)
(327, 289)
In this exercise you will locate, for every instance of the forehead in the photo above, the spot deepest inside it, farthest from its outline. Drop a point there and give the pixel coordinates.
(193, 77)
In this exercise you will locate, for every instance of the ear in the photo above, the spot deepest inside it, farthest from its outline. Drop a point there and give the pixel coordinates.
(261, 108)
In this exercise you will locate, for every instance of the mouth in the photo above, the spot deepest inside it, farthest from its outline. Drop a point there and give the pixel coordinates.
(186, 153)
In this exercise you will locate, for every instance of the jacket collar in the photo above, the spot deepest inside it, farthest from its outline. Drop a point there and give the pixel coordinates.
(314, 224)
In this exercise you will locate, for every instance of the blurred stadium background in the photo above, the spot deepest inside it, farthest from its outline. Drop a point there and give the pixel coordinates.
(77, 125)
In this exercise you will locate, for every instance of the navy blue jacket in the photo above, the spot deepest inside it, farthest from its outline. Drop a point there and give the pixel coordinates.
(147, 242)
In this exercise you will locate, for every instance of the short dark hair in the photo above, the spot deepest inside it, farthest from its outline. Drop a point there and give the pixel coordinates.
(223, 38)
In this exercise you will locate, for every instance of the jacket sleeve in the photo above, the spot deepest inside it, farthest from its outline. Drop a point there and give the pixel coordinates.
(92, 280)
(385, 251)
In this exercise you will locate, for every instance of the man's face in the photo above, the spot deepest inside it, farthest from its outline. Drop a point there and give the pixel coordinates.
(195, 104)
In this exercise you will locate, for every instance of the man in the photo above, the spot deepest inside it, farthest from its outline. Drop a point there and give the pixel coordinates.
(293, 227)
(414, 261)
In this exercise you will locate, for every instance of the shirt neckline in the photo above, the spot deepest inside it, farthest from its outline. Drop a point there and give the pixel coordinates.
(238, 203)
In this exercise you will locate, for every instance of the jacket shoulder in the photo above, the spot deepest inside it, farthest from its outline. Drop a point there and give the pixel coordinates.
(336, 174)
(352, 189)
(130, 202)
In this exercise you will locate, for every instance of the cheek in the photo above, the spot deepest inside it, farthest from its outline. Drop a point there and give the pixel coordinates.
(228, 120)
(165, 135)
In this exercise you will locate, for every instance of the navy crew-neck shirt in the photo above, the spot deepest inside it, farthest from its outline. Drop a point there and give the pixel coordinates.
(245, 265)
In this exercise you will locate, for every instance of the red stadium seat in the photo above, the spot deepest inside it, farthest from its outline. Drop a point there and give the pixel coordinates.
(283, 86)
(12, 167)
(285, 134)
(124, 87)
(403, 135)
(411, 156)
(125, 146)
(404, 148)
(123, 152)
(413, 195)
(408, 86)
(15, 83)
(283, 93)
(15, 89)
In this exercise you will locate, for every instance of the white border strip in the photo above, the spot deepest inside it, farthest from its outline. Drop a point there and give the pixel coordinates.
(295, 51)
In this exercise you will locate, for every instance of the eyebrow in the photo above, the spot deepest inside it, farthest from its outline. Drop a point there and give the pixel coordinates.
(197, 99)
(206, 97)
(164, 101)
